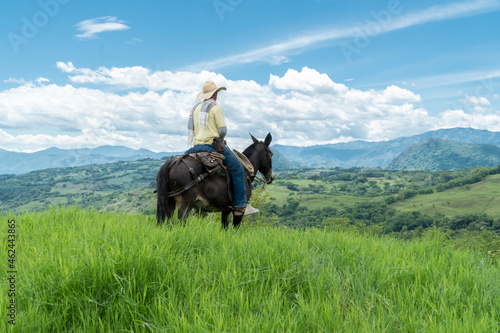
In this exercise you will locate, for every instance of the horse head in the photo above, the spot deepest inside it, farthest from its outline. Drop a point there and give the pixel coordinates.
(261, 157)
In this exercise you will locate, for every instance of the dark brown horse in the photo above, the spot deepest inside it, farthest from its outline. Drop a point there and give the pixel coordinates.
(211, 193)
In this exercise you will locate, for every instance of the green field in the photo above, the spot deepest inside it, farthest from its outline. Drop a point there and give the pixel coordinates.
(88, 271)
(482, 197)
(279, 195)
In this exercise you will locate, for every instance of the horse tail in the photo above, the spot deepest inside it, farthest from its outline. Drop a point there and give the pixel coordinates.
(164, 205)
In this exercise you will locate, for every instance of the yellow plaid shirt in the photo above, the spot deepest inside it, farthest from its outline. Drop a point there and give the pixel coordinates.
(215, 120)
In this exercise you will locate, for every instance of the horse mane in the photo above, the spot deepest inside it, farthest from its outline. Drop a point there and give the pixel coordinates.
(250, 149)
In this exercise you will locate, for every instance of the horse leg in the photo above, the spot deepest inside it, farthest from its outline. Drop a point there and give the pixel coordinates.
(237, 220)
(170, 209)
(225, 218)
(165, 213)
(184, 212)
(183, 207)
(165, 205)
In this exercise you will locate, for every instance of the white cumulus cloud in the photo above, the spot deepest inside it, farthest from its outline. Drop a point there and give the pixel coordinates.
(478, 120)
(476, 101)
(299, 108)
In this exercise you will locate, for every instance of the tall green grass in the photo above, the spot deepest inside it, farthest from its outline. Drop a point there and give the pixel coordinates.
(87, 271)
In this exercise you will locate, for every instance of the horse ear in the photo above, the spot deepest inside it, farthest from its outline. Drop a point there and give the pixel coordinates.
(253, 138)
(269, 137)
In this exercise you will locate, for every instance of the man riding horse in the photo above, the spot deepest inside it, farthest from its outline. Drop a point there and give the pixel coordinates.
(206, 129)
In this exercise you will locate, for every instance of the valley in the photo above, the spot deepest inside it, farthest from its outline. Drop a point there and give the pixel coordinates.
(399, 201)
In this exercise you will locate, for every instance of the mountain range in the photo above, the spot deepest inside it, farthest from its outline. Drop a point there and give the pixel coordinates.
(378, 154)
(349, 154)
(18, 163)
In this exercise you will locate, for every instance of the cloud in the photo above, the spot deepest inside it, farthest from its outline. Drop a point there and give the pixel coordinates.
(300, 108)
(139, 77)
(278, 60)
(459, 118)
(90, 28)
(21, 81)
(384, 21)
(134, 41)
(485, 80)
(308, 80)
(476, 101)
(480, 104)
(66, 116)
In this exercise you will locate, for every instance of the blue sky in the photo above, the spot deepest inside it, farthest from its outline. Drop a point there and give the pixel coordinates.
(88, 73)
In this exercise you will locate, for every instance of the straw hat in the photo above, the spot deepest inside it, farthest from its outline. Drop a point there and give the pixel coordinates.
(209, 89)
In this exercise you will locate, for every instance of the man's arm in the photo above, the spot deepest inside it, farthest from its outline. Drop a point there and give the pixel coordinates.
(222, 131)
(220, 121)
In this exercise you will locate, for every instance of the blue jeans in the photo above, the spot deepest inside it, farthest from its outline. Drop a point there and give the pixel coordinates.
(235, 169)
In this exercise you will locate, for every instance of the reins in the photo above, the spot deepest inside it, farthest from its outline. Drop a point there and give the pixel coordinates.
(264, 182)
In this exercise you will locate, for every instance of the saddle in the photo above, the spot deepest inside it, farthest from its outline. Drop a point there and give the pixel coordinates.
(212, 162)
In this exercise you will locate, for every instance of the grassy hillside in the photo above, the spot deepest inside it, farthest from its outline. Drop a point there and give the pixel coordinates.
(313, 194)
(482, 197)
(88, 271)
(339, 188)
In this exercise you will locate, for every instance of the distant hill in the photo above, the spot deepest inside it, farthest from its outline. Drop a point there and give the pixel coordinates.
(377, 154)
(19, 163)
(438, 154)
(281, 162)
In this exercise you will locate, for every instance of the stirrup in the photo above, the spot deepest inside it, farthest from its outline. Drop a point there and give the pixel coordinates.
(239, 210)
